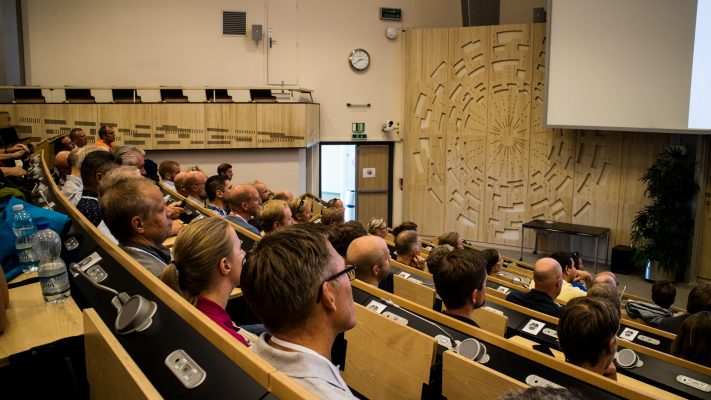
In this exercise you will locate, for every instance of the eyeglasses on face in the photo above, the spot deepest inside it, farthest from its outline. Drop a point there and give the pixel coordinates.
(349, 270)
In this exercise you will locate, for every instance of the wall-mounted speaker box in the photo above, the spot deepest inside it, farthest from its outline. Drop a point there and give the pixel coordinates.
(622, 259)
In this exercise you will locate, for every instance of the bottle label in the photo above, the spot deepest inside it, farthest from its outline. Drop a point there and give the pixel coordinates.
(53, 285)
(26, 256)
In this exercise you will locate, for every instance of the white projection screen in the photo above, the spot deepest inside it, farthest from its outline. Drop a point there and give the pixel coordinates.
(629, 65)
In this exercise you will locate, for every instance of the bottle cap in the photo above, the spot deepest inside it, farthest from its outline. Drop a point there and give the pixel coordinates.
(42, 224)
(18, 207)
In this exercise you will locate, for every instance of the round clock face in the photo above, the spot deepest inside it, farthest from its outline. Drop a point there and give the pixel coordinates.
(359, 59)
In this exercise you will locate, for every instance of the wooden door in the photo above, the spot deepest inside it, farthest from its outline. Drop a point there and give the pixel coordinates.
(372, 182)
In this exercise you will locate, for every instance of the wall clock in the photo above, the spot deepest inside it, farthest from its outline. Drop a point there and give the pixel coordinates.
(359, 60)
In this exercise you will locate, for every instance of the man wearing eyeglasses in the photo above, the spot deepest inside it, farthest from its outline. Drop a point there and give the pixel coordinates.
(106, 137)
(299, 287)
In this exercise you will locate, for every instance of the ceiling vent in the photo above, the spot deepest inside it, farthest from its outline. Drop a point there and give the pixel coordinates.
(234, 23)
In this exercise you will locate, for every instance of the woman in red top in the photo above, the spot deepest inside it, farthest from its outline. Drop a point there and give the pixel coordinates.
(206, 267)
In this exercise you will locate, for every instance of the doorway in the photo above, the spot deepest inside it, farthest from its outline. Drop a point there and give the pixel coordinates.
(361, 176)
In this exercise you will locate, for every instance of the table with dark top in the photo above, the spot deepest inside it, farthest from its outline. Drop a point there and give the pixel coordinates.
(570, 229)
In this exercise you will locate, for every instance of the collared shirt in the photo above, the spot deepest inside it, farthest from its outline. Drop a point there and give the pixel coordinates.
(169, 184)
(155, 259)
(89, 206)
(217, 210)
(73, 186)
(312, 371)
(239, 220)
(220, 316)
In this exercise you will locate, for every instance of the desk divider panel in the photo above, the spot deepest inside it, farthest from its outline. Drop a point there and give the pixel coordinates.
(462, 378)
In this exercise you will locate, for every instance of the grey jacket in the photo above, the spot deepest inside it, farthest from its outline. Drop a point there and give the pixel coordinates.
(650, 313)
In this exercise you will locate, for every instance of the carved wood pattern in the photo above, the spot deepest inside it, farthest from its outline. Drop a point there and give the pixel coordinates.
(502, 167)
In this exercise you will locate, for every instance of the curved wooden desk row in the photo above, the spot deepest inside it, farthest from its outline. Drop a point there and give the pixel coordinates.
(231, 369)
(660, 367)
(402, 348)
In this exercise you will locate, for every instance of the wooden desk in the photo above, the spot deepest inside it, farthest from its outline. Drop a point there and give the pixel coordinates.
(32, 322)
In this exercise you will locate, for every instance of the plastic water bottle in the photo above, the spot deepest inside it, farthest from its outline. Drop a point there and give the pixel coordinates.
(53, 277)
(24, 230)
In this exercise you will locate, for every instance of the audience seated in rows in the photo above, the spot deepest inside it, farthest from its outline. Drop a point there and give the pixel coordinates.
(586, 333)
(436, 255)
(7, 157)
(107, 137)
(62, 166)
(63, 143)
(273, 215)
(168, 170)
(73, 185)
(216, 188)
(285, 195)
(460, 281)
(568, 290)
(378, 227)
(179, 181)
(95, 165)
(134, 211)
(301, 209)
(494, 261)
(336, 203)
(451, 238)
(343, 235)
(225, 169)
(299, 287)
(195, 187)
(206, 268)
(78, 136)
(407, 250)
(331, 217)
(606, 291)
(699, 300)
(371, 257)
(243, 201)
(263, 190)
(693, 342)
(548, 278)
(663, 294)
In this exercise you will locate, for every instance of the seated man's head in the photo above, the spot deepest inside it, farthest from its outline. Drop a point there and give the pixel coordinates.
(405, 226)
(216, 188)
(565, 259)
(342, 235)
(371, 257)
(94, 166)
(285, 195)
(296, 284)
(663, 294)
(78, 136)
(179, 181)
(494, 261)
(64, 143)
(548, 276)
(274, 215)
(606, 277)
(168, 170)
(107, 134)
(61, 162)
(460, 280)
(243, 200)
(434, 259)
(451, 238)
(131, 155)
(195, 184)
(586, 332)
(134, 210)
(331, 216)
(263, 190)
(225, 169)
(407, 244)
(699, 299)
(607, 291)
(337, 204)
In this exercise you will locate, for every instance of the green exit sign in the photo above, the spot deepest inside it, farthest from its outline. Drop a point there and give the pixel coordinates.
(359, 136)
(391, 14)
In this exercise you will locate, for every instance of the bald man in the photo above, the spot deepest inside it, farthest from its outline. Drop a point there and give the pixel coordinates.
(548, 276)
(61, 163)
(371, 257)
(179, 181)
(244, 205)
(195, 187)
(285, 195)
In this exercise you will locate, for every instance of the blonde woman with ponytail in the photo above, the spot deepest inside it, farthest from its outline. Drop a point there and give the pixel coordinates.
(207, 263)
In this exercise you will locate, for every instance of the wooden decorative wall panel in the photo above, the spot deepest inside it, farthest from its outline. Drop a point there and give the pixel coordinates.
(60, 119)
(492, 165)
(133, 123)
(426, 123)
(231, 126)
(466, 130)
(178, 126)
(281, 126)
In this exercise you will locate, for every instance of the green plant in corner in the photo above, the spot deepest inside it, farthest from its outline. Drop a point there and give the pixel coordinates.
(662, 230)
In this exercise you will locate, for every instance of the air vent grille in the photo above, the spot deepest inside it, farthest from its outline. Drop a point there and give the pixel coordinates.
(234, 23)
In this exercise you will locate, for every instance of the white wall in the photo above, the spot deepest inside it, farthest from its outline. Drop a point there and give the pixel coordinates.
(148, 42)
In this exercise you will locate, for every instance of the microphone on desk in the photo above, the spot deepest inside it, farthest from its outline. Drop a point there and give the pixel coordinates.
(469, 348)
(135, 313)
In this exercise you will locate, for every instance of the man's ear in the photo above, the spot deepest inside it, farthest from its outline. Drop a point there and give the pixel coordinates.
(612, 346)
(328, 296)
(137, 224)
(375, 270)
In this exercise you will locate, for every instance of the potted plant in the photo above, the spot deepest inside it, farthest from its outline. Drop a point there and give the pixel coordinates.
(662, 230)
